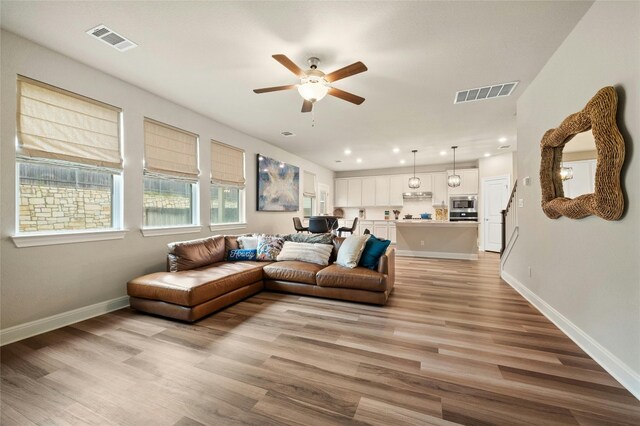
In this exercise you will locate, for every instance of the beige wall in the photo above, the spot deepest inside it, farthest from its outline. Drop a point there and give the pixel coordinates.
(497, 165)
(39, 282)
(587, 270)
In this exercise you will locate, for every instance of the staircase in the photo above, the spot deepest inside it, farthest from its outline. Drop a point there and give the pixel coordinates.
(509, 225)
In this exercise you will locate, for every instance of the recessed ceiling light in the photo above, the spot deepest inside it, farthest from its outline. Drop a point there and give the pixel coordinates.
(486, 154)
(347, 151)
(502, 140)
(358, 160)
(396, 150)
(402, 161)
(443, 153)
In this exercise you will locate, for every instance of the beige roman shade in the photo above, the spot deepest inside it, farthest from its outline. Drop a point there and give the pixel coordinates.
(170, 151)
(55, 124)
(309, 184)
(227, 165)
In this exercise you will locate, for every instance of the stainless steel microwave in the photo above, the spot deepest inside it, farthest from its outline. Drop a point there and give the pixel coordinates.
(463, 203)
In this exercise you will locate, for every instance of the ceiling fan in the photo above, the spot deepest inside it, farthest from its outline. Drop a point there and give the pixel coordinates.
(314, 84)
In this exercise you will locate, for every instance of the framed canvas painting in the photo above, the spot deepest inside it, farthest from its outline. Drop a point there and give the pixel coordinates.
(278, 186)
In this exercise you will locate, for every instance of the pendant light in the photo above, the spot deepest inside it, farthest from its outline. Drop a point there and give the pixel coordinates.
(454, 179)
(414, 182)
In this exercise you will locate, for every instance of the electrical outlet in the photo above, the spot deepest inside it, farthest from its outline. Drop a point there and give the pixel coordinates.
(421, 242)
(520, 202)
(529, 271)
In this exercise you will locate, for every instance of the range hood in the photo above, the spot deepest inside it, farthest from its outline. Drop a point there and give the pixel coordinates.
(419, 195)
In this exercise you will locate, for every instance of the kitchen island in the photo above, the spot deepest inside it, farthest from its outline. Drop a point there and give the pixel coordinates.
(437, 239)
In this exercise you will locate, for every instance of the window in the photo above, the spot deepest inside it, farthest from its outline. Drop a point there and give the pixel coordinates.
(170, 196)
(308, 194)
(227, 184)
(69, 161)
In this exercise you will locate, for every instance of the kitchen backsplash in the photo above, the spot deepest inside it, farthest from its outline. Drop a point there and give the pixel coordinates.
(413, 207)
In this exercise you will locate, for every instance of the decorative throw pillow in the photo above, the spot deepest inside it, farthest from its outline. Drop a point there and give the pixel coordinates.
(248, 243)
(373, 251)
(310, 238)
(306, 252)
(351, 250)
(269, 247)
(236, 255)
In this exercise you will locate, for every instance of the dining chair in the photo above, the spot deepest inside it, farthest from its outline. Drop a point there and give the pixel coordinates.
(351, 229)
(297, 224)
(318, 225)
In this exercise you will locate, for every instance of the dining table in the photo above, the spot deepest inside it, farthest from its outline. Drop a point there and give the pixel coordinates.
(332, 221)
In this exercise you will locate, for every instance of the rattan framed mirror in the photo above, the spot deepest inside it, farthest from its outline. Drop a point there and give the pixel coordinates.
(607, 200)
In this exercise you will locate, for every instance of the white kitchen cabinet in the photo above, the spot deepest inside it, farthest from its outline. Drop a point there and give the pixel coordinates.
(342, 193)
(468, 184)
(365, 224)
(368, 192)
(354, 195)
(392, 233)
(382, 191)
(396, 187)
(439, 188)
(380, 230)
(425, 183)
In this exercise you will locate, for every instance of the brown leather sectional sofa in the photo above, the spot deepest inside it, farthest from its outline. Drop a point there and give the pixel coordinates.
(200, 281)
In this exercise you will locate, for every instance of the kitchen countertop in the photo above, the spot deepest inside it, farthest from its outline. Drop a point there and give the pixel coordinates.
(423, 222)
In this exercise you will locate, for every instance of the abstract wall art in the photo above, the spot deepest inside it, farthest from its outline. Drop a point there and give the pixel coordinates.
(278, 186)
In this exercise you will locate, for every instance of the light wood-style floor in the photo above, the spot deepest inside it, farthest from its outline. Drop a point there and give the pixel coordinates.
(455, 344)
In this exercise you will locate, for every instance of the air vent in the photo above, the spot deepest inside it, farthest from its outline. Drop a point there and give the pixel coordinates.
(287, 134)
(504, 147)
(487, 92)
(112, 38)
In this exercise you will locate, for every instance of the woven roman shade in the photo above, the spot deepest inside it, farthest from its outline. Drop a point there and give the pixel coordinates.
(227, 165)
(309, 184)
(55, 124)
(170, 151)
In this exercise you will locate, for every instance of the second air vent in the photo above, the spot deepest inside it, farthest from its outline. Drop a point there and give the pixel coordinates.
(112, 38)
(486, 92)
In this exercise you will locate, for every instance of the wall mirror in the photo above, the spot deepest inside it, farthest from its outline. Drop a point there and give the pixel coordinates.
(581, 162)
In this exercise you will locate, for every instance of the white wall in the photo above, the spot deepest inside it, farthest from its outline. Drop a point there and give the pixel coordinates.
(496, 165)
(585, 273)
(39, 282)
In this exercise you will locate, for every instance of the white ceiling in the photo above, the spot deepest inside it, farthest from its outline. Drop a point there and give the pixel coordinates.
(208, 56)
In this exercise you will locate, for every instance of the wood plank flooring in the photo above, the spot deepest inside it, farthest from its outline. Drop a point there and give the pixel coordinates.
(455, 344)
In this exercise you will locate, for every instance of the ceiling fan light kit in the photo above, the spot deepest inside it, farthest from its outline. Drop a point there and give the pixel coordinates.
(414, 181)
(454, 179)
(315, 84)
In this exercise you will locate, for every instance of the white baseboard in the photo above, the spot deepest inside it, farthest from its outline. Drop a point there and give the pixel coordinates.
(614, 365)
(436, 254)
(22, 331)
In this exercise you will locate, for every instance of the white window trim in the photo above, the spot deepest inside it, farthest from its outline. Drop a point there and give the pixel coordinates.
(47, 239)
(228, 226)
(170, 230)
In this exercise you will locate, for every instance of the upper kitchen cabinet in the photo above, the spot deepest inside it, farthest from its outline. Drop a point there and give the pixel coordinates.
(369, 191)
(342, 193)
(396, 187)
(354, 196)
(382, 189)
(425, 183)
(439, 188)
(468, 184)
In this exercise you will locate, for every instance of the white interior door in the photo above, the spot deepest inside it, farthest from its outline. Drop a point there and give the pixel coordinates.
(495, 193)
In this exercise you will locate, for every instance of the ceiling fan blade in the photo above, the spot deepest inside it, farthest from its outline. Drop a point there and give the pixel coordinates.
(288, 63)
(349, 70)
(349, 97)
(275, 89)
(307, 106)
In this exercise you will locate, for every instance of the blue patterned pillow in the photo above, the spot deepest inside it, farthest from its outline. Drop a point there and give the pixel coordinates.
(269, 247)
(236, 255)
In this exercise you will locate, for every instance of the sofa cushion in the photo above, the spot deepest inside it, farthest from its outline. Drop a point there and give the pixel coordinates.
(305, 252)
(292, 270)
(193, 254)
(269, 247)
(358, 278)
(231, 242)
(190, 288)
(310, 238)
(351, 250)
